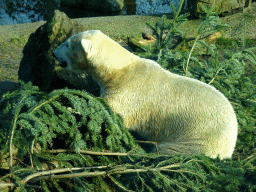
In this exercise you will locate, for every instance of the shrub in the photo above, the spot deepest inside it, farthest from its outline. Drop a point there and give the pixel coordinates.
(68, 140)
(228, 74)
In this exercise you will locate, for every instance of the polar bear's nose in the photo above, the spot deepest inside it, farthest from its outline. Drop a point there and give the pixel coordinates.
(63, 64)
(53, 55)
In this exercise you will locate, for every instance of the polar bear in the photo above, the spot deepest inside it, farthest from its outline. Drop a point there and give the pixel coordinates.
(180, 114)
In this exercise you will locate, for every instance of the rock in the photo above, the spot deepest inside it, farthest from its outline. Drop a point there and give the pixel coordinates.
(130, 6)
(38, 64)
(148, 39)
(7, 86)
(141, 43)
(211, 39)
(223, 6)
(85, 8)
(147, 36)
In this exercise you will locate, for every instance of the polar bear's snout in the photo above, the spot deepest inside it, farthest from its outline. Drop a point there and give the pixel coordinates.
(63, 63)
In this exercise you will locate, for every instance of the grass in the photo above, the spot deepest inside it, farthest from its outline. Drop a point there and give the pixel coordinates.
(222, 41)
(14, 37)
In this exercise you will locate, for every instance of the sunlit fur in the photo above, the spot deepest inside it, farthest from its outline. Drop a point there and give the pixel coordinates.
(181, 114)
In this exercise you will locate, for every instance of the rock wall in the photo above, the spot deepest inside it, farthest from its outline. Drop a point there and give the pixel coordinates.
(222, 6)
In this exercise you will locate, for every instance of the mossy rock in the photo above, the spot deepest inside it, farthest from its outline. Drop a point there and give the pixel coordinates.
(222, 6)
(38, 64)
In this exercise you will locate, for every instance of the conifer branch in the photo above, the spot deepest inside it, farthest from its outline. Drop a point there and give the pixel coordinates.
(118, 184)
(45, 102)
(217, 72)
(90, 132)
(179, 9)
(50, 174)
(16, 116)
(172, 182)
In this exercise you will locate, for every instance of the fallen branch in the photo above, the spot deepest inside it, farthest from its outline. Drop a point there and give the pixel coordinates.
(88, 152)
(50, 174)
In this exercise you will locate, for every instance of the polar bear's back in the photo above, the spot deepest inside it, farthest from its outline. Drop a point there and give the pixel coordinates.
(181, 114)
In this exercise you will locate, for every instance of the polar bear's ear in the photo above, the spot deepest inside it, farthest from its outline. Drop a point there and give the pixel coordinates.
(88, 47)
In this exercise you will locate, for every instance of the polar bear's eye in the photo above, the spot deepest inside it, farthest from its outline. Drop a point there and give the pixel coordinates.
(66, 45)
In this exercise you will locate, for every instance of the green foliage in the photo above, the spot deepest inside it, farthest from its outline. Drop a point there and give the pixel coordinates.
(227, 72)
(165, 32)
(229, 42)
(63, 119)
(39, 118)
(68, 140)
(224, 42)
(230, 74)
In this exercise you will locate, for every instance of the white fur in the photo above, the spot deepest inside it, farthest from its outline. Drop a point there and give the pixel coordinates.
(181, 114)
(87, 45)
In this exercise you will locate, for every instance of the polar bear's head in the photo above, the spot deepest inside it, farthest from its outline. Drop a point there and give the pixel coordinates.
(74, 52)
(91, 49)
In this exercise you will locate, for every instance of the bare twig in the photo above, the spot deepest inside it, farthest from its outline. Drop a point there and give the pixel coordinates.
(88, 152)
(50, 173)
(190, 53)
(12, 133)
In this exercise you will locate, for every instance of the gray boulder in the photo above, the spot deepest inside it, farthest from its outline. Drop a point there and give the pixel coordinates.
(38, 64)
(223, 6)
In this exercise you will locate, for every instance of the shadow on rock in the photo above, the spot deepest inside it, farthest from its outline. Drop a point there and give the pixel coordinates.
(38, 64)
(8, 86)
